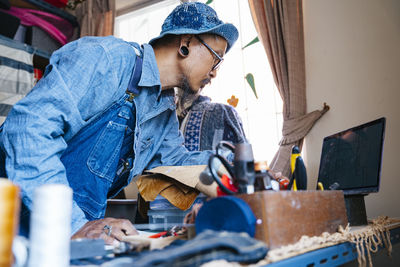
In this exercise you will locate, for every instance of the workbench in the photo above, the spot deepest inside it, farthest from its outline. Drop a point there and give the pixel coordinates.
(336, 255)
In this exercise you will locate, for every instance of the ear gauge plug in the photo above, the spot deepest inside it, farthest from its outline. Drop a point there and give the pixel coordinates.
(184, 50)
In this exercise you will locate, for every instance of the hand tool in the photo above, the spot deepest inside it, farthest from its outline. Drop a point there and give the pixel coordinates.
(263, 178)
(226, 181)
(160, 226)
(282, 181)
(298, 171)
(242, 171)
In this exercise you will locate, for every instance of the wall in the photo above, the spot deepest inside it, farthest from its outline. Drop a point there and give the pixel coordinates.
(353, 63)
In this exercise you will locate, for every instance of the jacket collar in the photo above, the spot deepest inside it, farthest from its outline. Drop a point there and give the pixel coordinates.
(150, 74)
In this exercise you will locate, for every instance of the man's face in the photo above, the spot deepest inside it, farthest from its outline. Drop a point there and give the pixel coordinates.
(201, 64)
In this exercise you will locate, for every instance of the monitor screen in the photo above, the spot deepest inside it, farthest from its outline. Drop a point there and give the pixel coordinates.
(353, 158)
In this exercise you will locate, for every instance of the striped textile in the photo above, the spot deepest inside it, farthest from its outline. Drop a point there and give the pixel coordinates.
(16, 77)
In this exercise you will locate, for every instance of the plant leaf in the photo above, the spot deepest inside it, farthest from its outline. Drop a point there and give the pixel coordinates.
(250, 80)
(255, 40)
(209, 2)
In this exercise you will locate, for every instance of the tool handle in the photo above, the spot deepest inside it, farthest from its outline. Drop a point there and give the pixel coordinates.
(300, 174)
(226, 145)
(320, 186)
(215, 175)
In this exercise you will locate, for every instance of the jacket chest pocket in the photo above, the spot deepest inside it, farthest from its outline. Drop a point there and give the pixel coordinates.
(103, 159)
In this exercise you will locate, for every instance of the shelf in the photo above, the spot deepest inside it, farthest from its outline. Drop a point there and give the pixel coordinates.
(45, 7)
(18, 45)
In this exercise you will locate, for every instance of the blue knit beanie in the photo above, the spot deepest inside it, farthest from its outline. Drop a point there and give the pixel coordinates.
(197, 18)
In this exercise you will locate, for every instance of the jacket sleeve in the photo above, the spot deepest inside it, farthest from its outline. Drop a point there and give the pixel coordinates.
(233, 127)
(35, 131)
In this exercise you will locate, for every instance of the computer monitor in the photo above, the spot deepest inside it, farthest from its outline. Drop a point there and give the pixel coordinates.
(352, 158)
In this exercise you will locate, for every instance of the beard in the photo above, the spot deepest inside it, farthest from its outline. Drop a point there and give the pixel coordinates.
(185, 96)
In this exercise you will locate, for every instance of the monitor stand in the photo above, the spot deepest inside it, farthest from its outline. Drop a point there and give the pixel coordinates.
(355, 209)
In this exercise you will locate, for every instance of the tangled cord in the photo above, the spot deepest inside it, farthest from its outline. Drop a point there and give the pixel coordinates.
(368, 240)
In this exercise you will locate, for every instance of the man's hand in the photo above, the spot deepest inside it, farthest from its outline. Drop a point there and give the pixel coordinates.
(191, 216)
(110, 229)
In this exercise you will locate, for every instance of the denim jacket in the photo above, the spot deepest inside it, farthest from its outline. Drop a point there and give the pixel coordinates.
(83, 79)
(208, 123)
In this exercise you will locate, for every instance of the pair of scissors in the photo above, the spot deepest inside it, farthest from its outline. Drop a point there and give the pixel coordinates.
(214, 173)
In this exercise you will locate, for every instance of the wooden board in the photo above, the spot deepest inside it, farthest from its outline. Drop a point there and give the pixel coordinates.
(287, 215)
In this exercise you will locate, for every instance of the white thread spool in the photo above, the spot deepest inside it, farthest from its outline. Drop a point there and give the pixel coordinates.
(50, 226)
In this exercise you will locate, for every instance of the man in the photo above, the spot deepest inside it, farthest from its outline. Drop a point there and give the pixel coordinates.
(82, 127)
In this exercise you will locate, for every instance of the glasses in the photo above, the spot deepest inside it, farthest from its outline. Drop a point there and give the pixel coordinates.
(218, 57)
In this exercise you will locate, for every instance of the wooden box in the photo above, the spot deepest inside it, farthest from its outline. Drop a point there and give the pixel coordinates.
(288, 215)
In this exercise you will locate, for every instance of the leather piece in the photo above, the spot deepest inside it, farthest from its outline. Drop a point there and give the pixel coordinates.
(178, 194)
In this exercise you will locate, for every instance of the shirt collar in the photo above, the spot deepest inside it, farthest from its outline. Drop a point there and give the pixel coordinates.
(150, 74)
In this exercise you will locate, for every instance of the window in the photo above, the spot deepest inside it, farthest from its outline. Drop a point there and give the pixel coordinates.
(262, 117)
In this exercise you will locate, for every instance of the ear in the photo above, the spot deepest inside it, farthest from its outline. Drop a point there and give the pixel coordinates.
(185, 39)
(184, 44)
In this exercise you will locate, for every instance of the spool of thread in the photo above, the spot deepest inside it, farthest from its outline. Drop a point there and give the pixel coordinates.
(50, 226)
(9, 216)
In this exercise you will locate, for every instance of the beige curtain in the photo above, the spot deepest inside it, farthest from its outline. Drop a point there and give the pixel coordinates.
(96, 17)
(279, 24)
